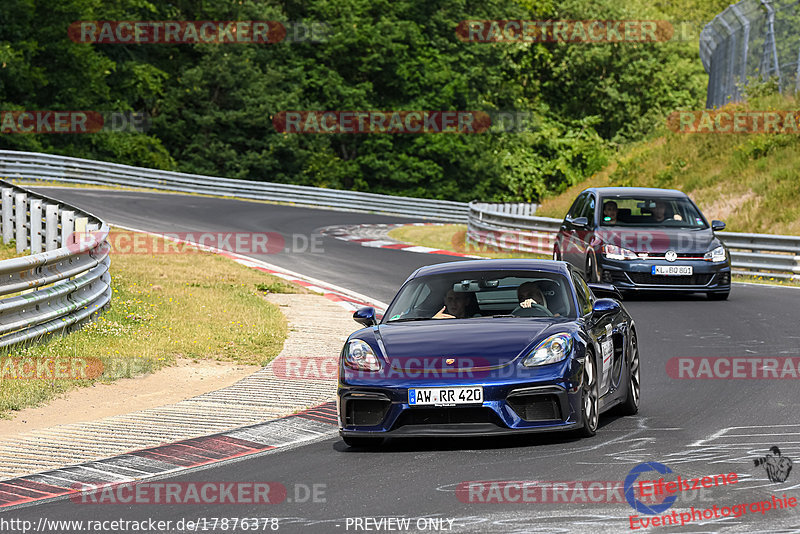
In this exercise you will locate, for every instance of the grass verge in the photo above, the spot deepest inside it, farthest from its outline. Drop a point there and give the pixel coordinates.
(193, 305)
(451, 237)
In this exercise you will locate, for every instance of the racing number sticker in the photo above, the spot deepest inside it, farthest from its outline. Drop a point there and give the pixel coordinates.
(607, 346)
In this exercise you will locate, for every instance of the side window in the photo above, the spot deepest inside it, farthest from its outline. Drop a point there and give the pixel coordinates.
(577, 207)
(583, 292)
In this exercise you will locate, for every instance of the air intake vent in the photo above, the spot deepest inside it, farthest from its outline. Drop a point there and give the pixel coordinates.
(365, 412)
(535, 407)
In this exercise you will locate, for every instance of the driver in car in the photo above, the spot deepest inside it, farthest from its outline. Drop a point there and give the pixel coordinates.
(660, 211)
(531, 301)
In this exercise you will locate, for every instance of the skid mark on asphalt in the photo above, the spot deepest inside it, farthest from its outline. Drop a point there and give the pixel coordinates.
(627, 437)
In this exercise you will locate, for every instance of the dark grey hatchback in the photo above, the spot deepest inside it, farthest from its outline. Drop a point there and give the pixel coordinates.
(644, 239)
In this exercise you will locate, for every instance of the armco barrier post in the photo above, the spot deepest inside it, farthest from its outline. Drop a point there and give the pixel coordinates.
(36, 226)
(67, 227)
(7, 199)
(20, 221)
(51, 227)
(80, 229)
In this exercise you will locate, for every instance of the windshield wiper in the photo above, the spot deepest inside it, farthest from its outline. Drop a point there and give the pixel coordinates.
(503, 315)
(408, 319)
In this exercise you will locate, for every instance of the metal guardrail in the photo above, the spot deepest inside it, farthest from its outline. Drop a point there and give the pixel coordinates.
(489, 226)
(49, 167)
(64, 281)
(776, 256)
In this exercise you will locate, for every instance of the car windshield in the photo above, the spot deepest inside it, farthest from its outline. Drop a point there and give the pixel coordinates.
(470, 294)
(650, 211)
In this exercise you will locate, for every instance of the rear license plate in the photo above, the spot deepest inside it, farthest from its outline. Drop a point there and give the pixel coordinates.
(673, 270)
(445, 396)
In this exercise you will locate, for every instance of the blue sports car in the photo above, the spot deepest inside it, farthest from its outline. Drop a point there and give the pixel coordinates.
(488, 347)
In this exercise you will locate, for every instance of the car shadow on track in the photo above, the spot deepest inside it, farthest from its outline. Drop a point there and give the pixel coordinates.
(430, 444)
(664, 297)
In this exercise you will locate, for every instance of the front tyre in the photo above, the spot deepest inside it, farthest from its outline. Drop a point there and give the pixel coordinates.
(362, 442)
(589, 398)
(718, 296)
(556, 254)
(631, 404)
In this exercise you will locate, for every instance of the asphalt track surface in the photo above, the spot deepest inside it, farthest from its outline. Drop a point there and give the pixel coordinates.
(696, 427)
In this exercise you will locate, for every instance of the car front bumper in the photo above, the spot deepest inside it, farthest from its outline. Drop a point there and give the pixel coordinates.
(549, 401)
(636, 275)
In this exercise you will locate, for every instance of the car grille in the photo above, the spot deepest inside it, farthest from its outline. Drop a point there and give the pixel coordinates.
(679, 255)
(365, 412)
(444, 416)
(535, 407)
(649, 279)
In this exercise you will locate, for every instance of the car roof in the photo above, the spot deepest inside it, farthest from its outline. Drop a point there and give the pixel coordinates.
(548, 266)
(632, 191)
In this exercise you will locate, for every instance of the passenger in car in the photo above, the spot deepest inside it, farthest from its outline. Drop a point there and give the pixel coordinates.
(610, 212)
(458, 306)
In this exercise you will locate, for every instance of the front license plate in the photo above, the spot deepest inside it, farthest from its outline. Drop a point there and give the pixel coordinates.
(445, 396)
(673, 270)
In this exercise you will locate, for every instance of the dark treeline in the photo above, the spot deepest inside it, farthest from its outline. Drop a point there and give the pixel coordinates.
(211, 105)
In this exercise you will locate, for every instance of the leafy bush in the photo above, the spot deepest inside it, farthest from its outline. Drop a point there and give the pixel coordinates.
(212, 105)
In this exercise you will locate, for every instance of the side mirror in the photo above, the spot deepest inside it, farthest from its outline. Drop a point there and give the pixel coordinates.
(605, 291)
(605, 307)
(717, 225)
(580, 222)
(365, 316)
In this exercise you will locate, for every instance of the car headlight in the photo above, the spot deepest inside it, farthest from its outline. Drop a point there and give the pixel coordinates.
(717, 255)
(359, 356)
(552, 350)
(613, 252)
